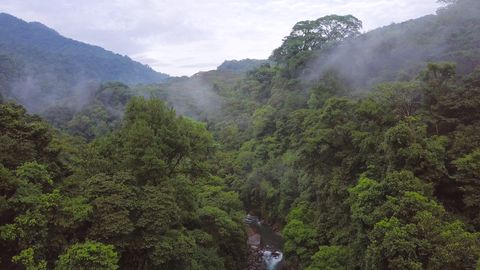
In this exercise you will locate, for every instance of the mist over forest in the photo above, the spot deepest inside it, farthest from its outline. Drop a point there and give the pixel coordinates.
(343, 149)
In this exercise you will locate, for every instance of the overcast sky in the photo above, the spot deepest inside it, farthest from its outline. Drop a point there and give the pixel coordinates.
(182, 37)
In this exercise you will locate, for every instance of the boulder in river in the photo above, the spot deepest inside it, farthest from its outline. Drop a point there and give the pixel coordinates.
(249, 219)
(254, 240)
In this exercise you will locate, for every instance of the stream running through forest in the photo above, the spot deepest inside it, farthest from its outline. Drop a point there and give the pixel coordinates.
(265, 245)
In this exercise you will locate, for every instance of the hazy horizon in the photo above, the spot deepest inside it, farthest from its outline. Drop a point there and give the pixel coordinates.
(185, 37)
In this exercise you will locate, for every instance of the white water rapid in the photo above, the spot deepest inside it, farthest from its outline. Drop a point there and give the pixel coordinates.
(272, 259)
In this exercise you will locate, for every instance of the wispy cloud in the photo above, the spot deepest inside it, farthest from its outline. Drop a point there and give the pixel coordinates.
(181, 37)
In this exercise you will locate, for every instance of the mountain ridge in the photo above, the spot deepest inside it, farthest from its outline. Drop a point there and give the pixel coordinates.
(381, 54)
(50, 67)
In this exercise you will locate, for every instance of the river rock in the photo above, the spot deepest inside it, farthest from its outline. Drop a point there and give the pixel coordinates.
(254, 240)
(255, 260)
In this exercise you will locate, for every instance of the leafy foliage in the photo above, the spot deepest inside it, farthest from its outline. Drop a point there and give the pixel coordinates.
(142, 196)
(89, 255)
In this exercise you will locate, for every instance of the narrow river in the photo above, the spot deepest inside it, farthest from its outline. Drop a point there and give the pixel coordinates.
(266, 243)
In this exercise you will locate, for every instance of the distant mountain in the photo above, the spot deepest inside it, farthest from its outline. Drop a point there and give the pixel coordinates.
(241, 66)
(202, 95)
(48, 66)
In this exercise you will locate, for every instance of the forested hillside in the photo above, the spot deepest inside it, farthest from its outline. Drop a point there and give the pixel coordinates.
(48, 67)
(399, 51)
(383, 179)
(367, 163)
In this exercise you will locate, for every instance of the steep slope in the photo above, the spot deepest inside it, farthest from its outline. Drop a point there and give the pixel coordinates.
(51, 66)
(399, 51)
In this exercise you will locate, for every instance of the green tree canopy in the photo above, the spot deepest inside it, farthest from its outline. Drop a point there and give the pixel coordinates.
(314, 35)
(88, 255)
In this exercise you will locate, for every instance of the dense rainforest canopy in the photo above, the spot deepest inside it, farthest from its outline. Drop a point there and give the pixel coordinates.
(383, 174)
